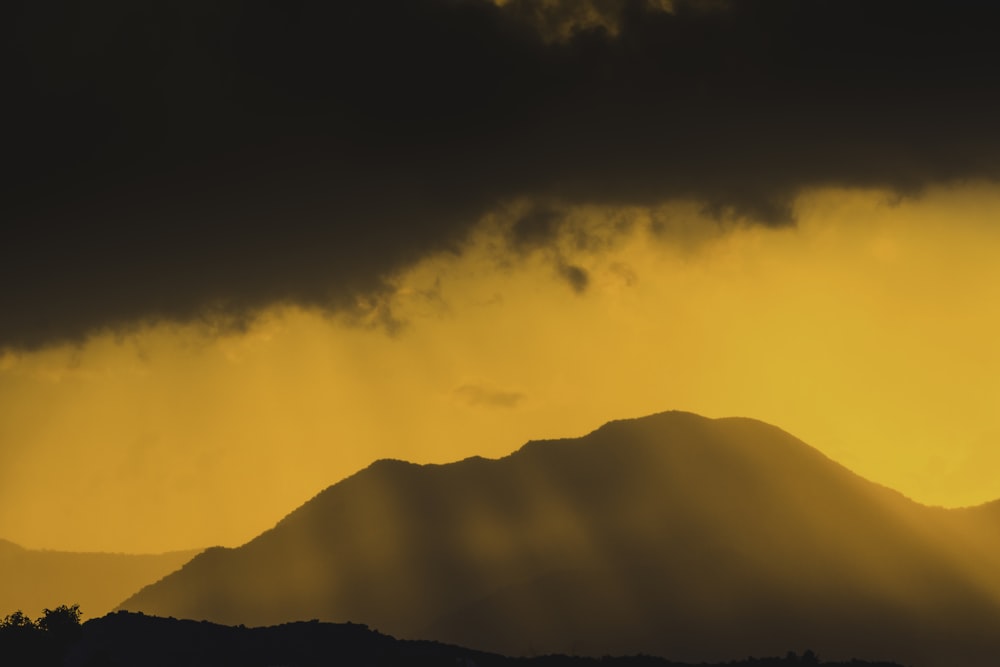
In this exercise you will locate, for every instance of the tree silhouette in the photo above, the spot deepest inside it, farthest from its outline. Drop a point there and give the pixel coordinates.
(19, 638)
(61, 621)
(17, 622)
(40, 642)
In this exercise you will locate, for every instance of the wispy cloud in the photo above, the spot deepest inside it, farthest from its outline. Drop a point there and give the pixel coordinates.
(478, 395)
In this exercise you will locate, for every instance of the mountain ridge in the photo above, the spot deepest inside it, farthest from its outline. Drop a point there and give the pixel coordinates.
(990, 505)
(681, 525)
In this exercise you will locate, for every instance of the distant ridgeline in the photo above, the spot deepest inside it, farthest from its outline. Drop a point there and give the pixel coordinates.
(98, 581)
(125, 639)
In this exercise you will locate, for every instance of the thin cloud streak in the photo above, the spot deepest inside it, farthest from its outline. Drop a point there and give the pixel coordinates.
(477, 395)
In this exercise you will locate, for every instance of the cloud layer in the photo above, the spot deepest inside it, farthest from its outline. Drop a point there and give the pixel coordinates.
(182, 160)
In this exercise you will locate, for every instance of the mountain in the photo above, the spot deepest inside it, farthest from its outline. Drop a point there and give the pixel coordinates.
(31, 580)
(674, 535)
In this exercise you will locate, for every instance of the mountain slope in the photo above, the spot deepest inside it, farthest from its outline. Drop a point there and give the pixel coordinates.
(677, 535)
(31, 580)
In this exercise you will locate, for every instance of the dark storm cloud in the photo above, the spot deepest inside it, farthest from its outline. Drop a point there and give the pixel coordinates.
(174, 159)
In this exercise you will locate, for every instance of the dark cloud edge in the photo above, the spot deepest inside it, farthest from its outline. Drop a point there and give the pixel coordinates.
(176, 161)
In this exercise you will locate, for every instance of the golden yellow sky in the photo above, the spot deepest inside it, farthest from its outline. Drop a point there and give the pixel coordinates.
(869, 330)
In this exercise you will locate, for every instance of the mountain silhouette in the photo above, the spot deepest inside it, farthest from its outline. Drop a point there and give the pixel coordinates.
(33, 580)
(673, 534)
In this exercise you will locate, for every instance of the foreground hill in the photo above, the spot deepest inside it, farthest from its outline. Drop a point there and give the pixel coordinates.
(32, 580)
(673, 535)
(135, 640)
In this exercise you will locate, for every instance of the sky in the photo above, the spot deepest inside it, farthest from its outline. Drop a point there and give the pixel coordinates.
(249, 248)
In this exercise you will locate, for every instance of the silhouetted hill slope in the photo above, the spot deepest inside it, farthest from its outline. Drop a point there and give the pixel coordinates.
(133, 640)
(31, 580)
(673, 534)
